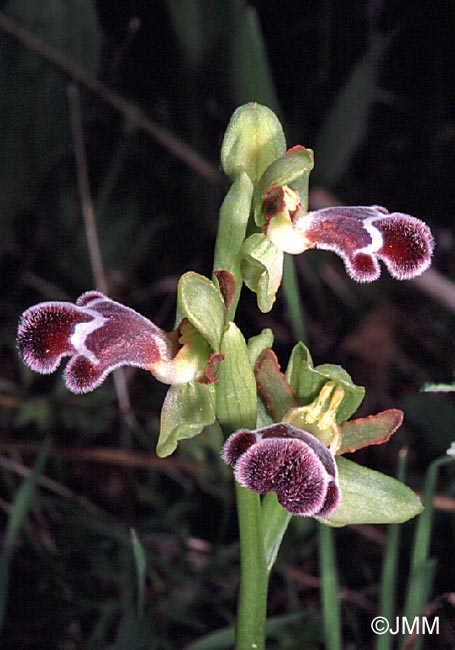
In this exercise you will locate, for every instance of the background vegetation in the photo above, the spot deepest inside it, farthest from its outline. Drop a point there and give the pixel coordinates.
(370, 87)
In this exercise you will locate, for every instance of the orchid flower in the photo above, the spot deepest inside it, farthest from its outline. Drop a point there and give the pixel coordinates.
(288, 461)
(100, 335)
(360, 235)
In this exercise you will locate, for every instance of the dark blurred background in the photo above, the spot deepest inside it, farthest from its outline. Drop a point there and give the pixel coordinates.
(370, 87)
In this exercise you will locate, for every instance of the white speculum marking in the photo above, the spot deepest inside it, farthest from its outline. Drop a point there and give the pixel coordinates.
(82, 330)
(377, 240)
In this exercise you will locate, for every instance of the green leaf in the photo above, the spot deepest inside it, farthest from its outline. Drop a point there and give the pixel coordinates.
(19, 512)
(33, 103)
(253, 139)
(422, 567)
(140, 565)
(293, 169)
(234, 215)
(24, 497)
(250, 69)
(187, 409)
(276, 520)
(372, 430)
(345, 125)
(308, 381)
(369, 497)
(236, 390)
(262, 269)
(202, 303)
(196, 24)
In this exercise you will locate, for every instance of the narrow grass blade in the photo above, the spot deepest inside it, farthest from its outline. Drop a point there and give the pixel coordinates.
(345, 125)
(19, 512)
(250, 69)
(422, 567)
(140, 563)
(387, 596)
(224, 639)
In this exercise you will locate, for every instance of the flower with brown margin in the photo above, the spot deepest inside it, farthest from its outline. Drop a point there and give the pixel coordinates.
(288, 461)
(101, 335)
(360, 235)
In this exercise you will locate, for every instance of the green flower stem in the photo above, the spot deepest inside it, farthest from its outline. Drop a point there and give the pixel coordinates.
(252, 601)
(330, 598)
(292, 297)
(387, 595)
(245, 150)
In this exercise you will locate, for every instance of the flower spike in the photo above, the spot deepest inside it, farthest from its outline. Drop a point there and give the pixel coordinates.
(100, 335)
(288, 461)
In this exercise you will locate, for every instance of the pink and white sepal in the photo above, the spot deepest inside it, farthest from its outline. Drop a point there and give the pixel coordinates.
(101, 335)
(288, 461)
(360, 235)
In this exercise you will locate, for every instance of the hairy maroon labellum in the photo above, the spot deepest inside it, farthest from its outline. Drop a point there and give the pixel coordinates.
(363, 235)
(288, 461)
(98, 333)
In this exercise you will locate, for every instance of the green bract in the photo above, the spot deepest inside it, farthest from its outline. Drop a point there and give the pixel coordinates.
(369, 497)
(186, 410)
(262, 269)
(201, 302)
(293, 169)
(253, 139)
(234, 215)
(236, 391)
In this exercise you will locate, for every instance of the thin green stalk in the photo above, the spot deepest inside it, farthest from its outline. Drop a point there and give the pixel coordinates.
(387, 596)
(329, 587)
(252, 601)
(292, 297)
